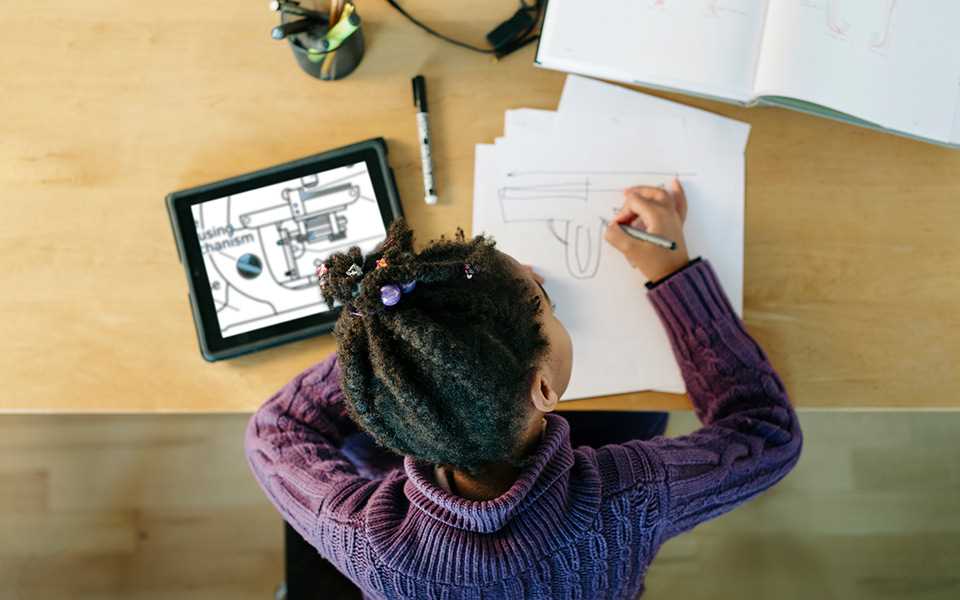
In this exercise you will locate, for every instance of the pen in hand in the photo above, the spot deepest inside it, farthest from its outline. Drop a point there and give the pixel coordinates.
(639, 234)
(642, 235)
(647, 209)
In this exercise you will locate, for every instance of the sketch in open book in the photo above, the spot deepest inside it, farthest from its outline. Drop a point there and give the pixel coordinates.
(712, 8)
(575, 207)
(865, 21)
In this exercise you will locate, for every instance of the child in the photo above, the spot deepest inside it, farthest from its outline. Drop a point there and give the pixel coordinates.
(454, 359)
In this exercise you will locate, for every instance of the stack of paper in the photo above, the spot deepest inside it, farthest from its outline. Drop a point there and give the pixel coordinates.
(546, 189)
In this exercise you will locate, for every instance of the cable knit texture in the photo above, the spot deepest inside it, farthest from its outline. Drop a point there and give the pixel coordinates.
(579, 523)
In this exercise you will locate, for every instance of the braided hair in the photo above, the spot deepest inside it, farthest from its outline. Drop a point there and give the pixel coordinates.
(440, 376)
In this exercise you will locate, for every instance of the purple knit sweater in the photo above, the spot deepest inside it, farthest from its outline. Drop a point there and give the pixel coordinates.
(578, 523)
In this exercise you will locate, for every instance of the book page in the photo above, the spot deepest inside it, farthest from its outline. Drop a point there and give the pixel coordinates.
(955, 138)
(705, 46)
(895, 63)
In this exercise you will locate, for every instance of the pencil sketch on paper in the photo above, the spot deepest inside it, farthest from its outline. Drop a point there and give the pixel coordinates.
(880, 39)
(718, 8)
(837, 25)
(575, 208)
(711, 8)
(842, 20)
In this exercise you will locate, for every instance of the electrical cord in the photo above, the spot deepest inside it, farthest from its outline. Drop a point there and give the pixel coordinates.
(535, 7)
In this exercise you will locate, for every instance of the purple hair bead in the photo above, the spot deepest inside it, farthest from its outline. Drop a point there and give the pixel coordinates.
(408, 287)
(390, 295)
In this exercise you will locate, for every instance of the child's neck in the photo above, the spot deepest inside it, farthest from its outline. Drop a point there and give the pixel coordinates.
(494, 483)
(497, 478)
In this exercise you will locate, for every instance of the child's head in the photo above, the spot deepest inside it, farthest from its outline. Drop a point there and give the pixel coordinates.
(457, 370)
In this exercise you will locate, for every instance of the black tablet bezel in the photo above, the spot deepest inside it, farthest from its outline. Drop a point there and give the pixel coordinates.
(214, 346)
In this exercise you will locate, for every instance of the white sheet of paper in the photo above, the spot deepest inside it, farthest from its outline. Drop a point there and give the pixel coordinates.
(895, 63)
(704, 130)
(519, 122)
(537, 186)
(710, 46)
(955, 138)
(662, 144)
(484, 163)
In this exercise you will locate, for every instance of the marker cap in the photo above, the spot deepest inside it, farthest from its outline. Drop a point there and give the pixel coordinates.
(420, 93)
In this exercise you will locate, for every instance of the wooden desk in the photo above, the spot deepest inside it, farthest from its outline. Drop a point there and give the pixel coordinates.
(852, 271)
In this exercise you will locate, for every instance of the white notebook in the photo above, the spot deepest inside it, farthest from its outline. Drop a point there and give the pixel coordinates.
(886, 64)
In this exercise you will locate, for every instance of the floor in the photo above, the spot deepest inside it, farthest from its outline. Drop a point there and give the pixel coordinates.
(138, 507)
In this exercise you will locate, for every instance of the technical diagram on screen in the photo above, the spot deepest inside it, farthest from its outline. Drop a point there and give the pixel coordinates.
(252, 244)
(262, 248)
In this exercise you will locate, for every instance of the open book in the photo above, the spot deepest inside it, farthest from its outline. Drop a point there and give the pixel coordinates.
(886, 64)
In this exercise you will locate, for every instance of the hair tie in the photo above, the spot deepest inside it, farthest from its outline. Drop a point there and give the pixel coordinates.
(354, 270)
(322, 271)
(468, 270)
(391, 294)
(381, 263)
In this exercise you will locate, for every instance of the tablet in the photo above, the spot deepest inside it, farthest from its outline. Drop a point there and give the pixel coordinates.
(251, 244)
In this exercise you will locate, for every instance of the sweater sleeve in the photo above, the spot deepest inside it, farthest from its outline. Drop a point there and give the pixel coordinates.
(293, 446)
(750, 437)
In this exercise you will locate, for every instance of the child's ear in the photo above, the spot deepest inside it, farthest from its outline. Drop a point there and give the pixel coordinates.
(542, 395)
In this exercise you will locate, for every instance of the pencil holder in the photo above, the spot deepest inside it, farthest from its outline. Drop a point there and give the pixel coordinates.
(329, 53)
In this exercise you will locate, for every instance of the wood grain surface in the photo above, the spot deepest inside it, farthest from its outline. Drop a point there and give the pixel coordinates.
(149, 507)
(852, 277)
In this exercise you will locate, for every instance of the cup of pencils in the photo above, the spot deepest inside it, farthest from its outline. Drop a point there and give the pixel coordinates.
(327, 45)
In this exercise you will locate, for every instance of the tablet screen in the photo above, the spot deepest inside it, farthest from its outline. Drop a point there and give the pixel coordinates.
(261, 248)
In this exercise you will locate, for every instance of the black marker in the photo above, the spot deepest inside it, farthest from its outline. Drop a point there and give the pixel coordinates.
(293, 8)
(291, 27)
(423, 128)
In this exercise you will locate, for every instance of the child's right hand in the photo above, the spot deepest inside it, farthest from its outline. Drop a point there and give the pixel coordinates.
(658, 211)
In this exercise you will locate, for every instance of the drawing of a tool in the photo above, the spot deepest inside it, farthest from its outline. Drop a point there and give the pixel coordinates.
(310, 214)
(878, 20)
(835, 22)
(564, 208)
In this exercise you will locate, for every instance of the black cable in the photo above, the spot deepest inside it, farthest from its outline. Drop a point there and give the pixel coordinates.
(531, 7)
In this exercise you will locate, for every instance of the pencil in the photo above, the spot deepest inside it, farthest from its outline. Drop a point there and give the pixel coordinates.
(336, 9)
